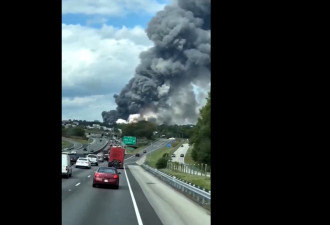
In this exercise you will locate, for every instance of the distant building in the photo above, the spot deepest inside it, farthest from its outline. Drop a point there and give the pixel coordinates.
(96, 126)
(64, 122)
(106, 128)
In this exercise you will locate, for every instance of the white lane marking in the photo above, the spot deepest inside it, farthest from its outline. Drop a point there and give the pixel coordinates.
(133, 199)
(89, 175)
(77, 184)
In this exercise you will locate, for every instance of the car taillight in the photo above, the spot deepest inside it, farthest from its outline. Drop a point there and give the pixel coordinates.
(96, 175)
(115, 176)
(66, 168)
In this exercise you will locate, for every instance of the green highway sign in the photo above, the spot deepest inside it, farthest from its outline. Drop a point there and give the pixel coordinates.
(129, 140)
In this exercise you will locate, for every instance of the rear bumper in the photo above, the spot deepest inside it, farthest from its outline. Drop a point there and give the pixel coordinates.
(112, 183)
(80, 166)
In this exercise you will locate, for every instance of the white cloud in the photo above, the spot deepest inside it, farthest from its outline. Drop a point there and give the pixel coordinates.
(96, 64)
(110, 7)
(99, 61)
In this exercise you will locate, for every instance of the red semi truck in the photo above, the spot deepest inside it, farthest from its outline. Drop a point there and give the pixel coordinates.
(116, 157)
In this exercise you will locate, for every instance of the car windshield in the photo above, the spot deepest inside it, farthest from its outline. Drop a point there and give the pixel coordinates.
(106, 170)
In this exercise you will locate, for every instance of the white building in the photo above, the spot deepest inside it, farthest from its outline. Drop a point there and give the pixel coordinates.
(96, 126)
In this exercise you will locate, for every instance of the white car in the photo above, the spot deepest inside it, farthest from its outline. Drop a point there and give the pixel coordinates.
(100, 157)
(93, 159)
(83, 162)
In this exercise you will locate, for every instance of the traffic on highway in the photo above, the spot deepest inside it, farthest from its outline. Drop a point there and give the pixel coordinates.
(123, 196)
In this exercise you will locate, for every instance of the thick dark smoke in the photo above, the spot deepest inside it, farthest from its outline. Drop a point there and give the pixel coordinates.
(180, 59)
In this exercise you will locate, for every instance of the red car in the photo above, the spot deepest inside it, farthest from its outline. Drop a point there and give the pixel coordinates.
(106, 176)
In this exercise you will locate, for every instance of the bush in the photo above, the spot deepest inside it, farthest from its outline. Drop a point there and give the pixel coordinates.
(161, 163)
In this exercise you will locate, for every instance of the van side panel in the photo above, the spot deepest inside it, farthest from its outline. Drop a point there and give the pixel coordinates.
(66, 164)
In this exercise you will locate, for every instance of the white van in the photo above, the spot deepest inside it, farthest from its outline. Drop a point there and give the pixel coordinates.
(66, 165)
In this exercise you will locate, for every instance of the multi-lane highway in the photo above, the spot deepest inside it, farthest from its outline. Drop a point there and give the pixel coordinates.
(141, 199)
(181, 150)
(84, 205)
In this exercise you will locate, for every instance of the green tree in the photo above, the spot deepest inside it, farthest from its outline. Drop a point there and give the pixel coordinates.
(201, 137)
(73, 131)
(139, 129)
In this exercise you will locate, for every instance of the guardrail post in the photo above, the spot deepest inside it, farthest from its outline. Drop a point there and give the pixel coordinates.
(205, 170)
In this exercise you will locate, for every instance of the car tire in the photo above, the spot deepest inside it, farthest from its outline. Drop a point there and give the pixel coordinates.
(97, 164)
(117, 186)
(67, 176)
(94, 185)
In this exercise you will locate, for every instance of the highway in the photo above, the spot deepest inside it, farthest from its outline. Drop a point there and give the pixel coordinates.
(84, 205)
(141, 199)
(181, 150)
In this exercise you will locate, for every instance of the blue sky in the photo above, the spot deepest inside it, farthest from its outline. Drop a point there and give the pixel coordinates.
(101, 43)
(130, 21)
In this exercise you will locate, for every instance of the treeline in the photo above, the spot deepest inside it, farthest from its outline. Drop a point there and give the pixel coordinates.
(140, 129)
(73, 131)
(149, 130)
(178, 131)
(201, 138)
(89, 123)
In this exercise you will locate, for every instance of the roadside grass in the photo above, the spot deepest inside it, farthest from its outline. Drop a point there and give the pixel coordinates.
(201, 181)
(152, 158)
(66, 144)
(82, 141)
(188, 159)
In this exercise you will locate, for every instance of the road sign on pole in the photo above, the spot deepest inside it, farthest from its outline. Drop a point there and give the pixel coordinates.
(129, 140)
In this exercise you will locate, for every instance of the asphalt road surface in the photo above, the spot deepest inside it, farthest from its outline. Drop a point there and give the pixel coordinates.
(142, 199)
(84, 205)
(179, 151)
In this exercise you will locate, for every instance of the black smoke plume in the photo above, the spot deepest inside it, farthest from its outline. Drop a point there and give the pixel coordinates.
(162, 88)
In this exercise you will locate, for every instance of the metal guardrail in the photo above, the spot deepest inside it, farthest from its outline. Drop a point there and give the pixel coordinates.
(196, 194)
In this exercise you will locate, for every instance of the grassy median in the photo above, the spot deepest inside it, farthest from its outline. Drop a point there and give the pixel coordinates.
(66, 144)
(152, 158)
(201, 181)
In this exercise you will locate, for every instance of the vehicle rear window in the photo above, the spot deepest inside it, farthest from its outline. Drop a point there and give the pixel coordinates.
(82, 159)
(106, 170)
(92, 156)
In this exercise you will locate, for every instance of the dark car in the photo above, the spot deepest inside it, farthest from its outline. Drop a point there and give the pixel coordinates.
(145, 151)
(85, 149)
(73, 158)
(108, 176)
(181, 155)
(137, 154)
